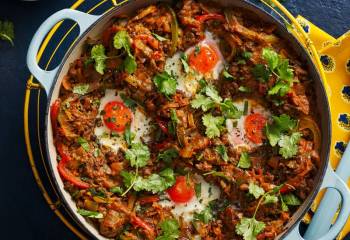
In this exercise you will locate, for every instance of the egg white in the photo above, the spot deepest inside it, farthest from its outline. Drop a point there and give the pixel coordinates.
(235, 127)
(140, 125)
(209, 193)
(188, 83)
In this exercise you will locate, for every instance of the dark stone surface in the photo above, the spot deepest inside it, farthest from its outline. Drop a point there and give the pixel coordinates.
(23, 211)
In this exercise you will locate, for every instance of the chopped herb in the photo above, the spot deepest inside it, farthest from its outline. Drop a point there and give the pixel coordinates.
(241, 62)
(90, 214)
(184, 61)
(255, 190)
(197, 49)
(81, 89)
(244, 161)
(230, 110)
(165, 83)
(289, 145)
(249, 228)
(172, 125)
(244, 89)
(213, 125)
(204, 216)
(211, 92)
(99, 57)
(261, 73)
(121, 40)
(247, 55)
(203, 102)
(83, 143)
(128, 135)
(97, 152)
(227, 75)
(130, 103)
(158, 37)
(245, 108)
(130, 64)
(138, 155)
(198, 190)
(221, 149)
(154, 183)
(270, 198)
(88, 61)
(117, 189)
(170, 230)
(291, 200)
(168, 155)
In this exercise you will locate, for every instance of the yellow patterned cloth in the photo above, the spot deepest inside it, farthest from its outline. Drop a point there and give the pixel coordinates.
(335, 57)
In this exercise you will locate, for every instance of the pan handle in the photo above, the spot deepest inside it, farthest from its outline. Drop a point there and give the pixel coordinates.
(334, 182)
(46, 78)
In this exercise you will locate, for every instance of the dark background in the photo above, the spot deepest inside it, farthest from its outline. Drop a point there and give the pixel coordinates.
(23, 212)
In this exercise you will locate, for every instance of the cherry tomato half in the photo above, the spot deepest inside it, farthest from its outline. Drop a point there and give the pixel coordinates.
(205, 59)
(182, 191)
(117, 116)
(254, 125)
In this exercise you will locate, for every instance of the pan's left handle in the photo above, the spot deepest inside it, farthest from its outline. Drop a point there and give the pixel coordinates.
(46, 78)
(332, 181)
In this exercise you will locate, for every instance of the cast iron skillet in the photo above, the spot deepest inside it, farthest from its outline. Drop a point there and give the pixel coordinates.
(92, 26)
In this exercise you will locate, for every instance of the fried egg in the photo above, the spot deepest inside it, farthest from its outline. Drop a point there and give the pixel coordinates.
(140, 125)
(205, 61)
(238, 137)
(186, 211)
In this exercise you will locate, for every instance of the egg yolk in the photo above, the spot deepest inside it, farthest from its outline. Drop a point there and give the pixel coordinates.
(116, 116)
(204, 59)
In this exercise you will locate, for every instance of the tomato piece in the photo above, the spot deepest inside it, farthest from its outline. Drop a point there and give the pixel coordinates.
(54, 111)
(205, 59)
(65, 173)
(254, 125)
(117, 116)
(182, 191)
(211, 16)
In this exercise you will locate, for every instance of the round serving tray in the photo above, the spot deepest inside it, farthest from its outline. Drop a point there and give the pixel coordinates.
(53, 48)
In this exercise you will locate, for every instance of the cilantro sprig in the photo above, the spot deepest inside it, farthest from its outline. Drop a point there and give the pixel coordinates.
(165, 83)
(279, 67)
(121, 40)
(213, 125)
(281, 132)
(138, 155)
(170, 229)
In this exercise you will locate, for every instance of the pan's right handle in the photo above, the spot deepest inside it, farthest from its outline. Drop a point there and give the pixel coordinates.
(46, 78)
(332, 181)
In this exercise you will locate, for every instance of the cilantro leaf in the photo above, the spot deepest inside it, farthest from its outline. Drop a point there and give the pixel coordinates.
(244, 161)
(203, 102)
(281, 88)
(221, 149)
(198, 190)
(255, 190)
(99, 57)
(172, 125)
(289, 145)
(168, 155)
(170, 229)
(130, 64)
(270, 198)
(184, 61)
(138, 155)
(291, 200)
(83, 143)
(117, 189)
(261, 73)
(81, 89)
(90, 214)
(154, 183)
(284, 206)
(205, 216)
(271, 57)
(129, 102)
(227, 75)
(244, 89)
(211, 92)
(280, 125)
(7, 31)
(249, 228)
(213, 125)
(128, 135)
(230, 110)
(165, 83)
(247, 55)
(121, 40)
(158, 37)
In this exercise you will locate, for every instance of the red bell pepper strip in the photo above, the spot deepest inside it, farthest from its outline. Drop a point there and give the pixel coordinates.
(211, 16)
(163, 126)
(138, 222)
(149, 199)
(65, 173)
(54, 111)
(286, 188)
